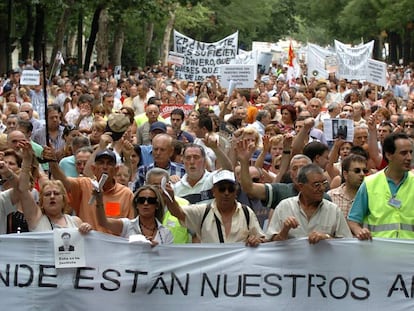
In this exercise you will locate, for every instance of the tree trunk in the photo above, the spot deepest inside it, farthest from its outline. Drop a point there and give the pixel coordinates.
(60, 30)
(118, 45)
(80, 38)
(393, 41)
(167, 35)
(407, 46)
(149, 34)
(38, 32)
(102, 44)
(92, 37)
(26, 38)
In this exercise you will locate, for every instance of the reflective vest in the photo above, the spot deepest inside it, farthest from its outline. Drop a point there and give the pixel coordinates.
(385, 220)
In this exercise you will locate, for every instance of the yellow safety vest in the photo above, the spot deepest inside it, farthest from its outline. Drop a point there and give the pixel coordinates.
(385, 220)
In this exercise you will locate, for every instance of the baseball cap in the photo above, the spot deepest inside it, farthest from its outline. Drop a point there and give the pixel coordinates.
(158, 126)
(224, 175)
(107, 153)
(117, 124)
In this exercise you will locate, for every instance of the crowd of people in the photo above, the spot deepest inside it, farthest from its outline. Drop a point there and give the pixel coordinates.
(187, 162)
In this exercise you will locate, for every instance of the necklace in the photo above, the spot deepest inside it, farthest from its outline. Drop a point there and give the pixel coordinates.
(141, 225)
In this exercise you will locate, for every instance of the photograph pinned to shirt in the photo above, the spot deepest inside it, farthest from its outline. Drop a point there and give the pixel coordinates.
(69, 246)
(338, 129)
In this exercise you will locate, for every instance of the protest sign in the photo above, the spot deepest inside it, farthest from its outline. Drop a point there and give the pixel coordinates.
(175, 59)
(338, 274)
(338, 129)
(165, 110)
(316, 57)
(352, 60)
(30, 77)
(376, 72)
(201, 59)
(241, 75)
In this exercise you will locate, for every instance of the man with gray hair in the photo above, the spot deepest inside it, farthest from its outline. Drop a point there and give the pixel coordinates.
(263, 118)
(308, 214)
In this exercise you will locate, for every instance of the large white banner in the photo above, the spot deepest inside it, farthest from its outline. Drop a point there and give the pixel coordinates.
(292, 275)
(201, 59)
(316, 57)
(353, 61)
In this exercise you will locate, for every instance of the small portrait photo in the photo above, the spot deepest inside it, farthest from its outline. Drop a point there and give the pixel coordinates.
(66, 243)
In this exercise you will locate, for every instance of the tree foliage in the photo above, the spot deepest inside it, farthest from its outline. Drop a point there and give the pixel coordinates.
(137, 28)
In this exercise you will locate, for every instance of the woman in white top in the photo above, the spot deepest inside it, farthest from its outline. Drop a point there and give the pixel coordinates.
(148, 203)
(53, 200)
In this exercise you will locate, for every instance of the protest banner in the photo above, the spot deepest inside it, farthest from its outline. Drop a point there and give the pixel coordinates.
(316, 57)
(201, 59)
(338, 274)
(30, 77)
(376, 72)
(242, 75)
(352, 60)
(165, 110)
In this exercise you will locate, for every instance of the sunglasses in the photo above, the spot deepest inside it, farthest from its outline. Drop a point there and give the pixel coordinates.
(359, 170)
(256, 179)
(149, 200)
(229, 188)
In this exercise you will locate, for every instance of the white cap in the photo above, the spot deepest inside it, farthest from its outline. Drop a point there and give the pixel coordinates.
(224, 175)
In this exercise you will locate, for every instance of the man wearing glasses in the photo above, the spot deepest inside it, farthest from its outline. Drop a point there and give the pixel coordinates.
(224, 220)
(308, 214)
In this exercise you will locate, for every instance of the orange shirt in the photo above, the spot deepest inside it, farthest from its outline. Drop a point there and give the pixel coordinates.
(117, 202)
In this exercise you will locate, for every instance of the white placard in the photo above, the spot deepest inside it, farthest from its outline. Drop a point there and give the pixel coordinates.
(376, 72)
(338, 129)
(241, 75)
(69, 248)
(30, 77)
(175, 58)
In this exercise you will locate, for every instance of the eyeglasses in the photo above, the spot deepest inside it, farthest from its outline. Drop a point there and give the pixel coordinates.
(50, 193)
(229, 188)
(149, 200)
(358, 170)
(320, 184)
(256, 179)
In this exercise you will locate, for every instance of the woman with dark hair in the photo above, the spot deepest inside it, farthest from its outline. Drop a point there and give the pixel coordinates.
(287, 124)
(136, 161)
(149, 206)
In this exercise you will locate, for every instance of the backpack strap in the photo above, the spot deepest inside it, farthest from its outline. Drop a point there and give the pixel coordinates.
(218, 223)
(207, 210)
(247, 215)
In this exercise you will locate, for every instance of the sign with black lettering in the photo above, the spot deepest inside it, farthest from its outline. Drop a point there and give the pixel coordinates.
(30, 77)
(202, 59)
(340, 274)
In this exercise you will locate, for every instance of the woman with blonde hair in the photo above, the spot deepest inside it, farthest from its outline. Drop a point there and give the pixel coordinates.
(53, 200)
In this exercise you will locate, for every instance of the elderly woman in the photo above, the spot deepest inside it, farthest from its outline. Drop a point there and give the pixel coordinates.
(53, 200)
(149, 206)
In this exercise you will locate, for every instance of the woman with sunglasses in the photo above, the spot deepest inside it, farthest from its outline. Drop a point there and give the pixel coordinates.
(149, 206)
